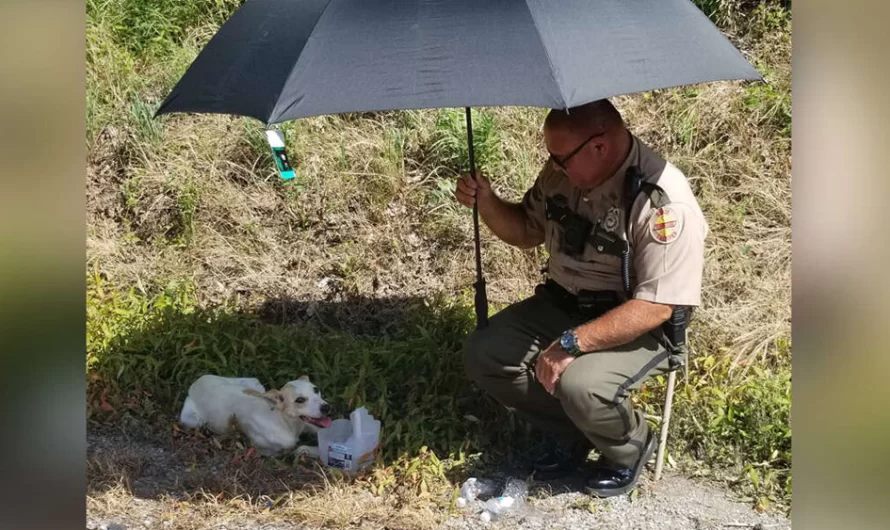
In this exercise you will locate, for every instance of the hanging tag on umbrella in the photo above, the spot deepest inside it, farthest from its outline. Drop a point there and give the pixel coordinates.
(276, 142)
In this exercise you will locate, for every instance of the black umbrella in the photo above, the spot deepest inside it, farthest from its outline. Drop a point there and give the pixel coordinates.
(277, 60)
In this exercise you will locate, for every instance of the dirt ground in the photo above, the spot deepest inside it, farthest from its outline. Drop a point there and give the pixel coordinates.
(188, 481)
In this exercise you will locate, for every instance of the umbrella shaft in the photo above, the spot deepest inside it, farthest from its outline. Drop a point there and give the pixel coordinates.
(481, 301)
(472, 154)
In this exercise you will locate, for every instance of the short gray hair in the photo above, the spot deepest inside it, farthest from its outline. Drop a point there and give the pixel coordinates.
(596, 116)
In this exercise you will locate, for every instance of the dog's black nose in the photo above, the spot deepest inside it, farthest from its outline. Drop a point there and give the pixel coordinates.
(325, 408)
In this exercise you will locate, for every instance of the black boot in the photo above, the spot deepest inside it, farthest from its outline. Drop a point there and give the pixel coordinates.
(610, 481)
(561, 460)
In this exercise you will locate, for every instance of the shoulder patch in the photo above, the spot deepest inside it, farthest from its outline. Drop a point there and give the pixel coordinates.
(665, 225)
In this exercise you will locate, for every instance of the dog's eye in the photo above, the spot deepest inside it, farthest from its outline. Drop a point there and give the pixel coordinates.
(300, 400)
(315, 388)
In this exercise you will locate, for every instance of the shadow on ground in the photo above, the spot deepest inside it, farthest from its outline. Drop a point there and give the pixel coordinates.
(399, 357)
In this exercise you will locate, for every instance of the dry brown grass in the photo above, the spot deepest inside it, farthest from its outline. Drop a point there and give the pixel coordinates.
(740, 167)
(364, 224)
(197, 482)
(347, 508)
(205, 205)
(741, 175)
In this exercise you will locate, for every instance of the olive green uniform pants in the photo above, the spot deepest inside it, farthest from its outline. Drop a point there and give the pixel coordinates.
(591, 397)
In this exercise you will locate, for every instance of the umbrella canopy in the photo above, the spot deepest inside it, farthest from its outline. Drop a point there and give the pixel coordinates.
(277, 60)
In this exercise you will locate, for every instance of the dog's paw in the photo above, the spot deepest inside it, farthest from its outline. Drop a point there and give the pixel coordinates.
(307, 451)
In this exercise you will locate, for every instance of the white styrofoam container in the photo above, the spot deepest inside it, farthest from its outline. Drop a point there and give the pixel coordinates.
(350, 444)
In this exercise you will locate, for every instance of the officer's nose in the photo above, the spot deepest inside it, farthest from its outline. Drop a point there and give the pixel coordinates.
(325, 408)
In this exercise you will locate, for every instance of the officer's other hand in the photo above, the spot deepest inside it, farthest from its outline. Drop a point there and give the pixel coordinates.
(469, 189)
(550, 365)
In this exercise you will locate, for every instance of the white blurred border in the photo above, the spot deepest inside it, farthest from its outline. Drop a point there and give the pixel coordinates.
(841, 232)
(42, 233)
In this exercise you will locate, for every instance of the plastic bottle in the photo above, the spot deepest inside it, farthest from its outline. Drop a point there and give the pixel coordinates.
(513, 497)
(517, 489)
(474, 488)
(499, 505)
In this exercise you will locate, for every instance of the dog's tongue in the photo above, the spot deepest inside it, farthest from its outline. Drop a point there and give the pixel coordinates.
(324, 422)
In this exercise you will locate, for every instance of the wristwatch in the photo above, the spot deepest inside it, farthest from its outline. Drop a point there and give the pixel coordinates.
(569, 342)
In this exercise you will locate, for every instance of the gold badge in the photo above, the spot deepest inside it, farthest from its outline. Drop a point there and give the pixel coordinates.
(665, 225)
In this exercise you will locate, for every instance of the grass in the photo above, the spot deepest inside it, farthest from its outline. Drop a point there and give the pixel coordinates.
(157, 26)
(738, 425)
(164, 343)
(146, 350)
(358, 272)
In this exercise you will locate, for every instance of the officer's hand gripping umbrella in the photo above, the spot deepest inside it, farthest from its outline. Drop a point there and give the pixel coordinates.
(278, 60)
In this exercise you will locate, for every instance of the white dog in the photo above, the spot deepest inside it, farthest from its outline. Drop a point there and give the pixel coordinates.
(273, 420)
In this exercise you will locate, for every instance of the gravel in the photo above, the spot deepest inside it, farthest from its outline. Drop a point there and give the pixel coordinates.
(675, 502)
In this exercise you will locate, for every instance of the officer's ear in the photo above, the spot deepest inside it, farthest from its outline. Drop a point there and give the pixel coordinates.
(601, 146)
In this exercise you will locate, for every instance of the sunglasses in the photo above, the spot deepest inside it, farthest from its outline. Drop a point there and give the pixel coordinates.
(561, 162)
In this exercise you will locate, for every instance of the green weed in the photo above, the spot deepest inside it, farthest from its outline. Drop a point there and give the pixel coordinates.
(771, 102)
(451, 149)
(182, 230)
(738, 422)
(156, 26)
(721, 12)
(409, 375)
(148, 129)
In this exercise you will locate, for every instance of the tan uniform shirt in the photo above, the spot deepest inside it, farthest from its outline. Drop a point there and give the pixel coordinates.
(667, 244)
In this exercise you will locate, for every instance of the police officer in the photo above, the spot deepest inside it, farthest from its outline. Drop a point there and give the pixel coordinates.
(625, 239)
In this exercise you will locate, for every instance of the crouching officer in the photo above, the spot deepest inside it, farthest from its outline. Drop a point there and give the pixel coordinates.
(625, 238)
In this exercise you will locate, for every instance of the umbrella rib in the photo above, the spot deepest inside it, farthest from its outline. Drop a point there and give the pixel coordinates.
(294, 67)
(531, 13)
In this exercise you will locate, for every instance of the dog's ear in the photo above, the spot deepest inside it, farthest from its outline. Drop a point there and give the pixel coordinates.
(288, 393)
(274, 397)
(303, 378)
(253, 392)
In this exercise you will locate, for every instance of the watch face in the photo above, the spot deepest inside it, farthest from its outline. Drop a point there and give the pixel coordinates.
(567, 341)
